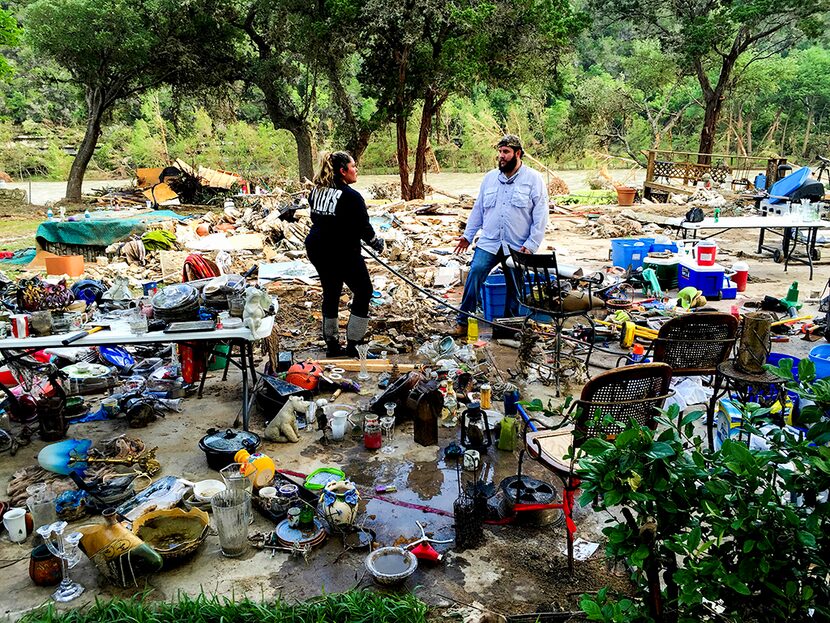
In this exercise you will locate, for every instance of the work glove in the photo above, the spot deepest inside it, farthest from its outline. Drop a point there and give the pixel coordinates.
(377, 244)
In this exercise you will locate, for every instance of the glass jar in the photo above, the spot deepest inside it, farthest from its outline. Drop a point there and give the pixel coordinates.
(371, 432)
(486, 396)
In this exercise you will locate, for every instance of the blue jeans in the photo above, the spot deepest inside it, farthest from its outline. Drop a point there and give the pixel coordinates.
(483, 263)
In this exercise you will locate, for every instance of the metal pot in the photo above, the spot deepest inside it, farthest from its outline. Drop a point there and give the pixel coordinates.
(221, 446)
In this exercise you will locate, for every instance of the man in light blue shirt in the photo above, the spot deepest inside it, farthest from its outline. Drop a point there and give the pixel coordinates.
(512, 212)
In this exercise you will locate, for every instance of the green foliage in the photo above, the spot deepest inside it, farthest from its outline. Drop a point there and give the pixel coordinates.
(726, 530)
(345, 607)
(9, 36)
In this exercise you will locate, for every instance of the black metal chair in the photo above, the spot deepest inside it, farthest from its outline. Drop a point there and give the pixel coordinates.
(549, 293)
(608, 401)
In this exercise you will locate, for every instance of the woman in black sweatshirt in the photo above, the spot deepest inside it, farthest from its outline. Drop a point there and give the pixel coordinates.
(339, 222)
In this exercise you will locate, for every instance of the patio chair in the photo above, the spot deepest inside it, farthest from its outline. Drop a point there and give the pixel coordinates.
(695, 345)
(635, 391)
(546, 292)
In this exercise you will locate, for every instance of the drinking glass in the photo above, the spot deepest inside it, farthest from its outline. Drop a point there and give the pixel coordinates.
(387, 429)
(231, 510)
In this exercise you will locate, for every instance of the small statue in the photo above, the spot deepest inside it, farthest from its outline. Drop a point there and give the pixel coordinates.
(283, 428)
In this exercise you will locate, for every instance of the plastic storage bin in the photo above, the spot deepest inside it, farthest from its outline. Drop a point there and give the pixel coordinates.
(659, 247)
(707, 279)
(627, 252)
(493, 295)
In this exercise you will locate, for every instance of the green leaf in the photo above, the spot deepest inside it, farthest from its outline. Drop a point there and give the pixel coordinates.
(749, 545)
(807, 539)
(591, 609)
(612, 498)
(660, 450)
(596, 446)
(736, 585)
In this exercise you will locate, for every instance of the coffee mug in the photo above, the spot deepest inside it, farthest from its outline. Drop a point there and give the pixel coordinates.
(20, 325)
(15, 522)
(293, 517)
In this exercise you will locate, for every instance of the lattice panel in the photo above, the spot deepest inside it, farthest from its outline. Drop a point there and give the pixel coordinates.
(690, 171)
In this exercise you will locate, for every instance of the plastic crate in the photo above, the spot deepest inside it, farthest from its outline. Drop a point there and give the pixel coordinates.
(707, 279)
(631, 252)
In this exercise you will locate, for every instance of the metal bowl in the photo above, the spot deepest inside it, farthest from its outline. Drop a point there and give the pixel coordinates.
(391, 565)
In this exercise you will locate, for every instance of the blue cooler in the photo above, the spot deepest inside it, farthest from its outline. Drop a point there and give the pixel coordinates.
(707, 279)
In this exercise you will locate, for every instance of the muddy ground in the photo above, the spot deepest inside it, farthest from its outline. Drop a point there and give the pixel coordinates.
(518, 569)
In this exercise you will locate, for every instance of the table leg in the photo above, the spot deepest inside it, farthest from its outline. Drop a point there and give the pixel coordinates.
(243, 366)
(761, 240)
(710, 411)
(250, 353)
(812, 235)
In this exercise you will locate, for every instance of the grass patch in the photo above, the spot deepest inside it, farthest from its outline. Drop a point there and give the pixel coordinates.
(587, 197)
(351, 607)
(18, 234)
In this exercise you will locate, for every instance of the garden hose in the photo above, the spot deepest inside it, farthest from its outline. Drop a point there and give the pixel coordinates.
(444, 303)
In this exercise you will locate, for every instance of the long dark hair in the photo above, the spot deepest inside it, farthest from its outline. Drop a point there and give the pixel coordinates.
(331, 165)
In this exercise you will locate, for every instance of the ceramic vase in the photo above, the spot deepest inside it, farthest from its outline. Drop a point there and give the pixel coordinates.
(339, 501)
(120, 555)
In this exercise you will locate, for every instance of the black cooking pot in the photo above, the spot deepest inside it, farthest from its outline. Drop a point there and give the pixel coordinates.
(220, 446)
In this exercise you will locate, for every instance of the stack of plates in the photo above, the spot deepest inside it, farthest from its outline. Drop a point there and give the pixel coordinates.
(176, 303)
(311, 536)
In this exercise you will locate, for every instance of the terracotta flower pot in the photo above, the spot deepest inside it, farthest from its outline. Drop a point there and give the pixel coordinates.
(625, 195)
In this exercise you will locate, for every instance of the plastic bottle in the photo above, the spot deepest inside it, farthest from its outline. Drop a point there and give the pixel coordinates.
(717, 214)
(792, 293)
(87, 216)
(472, 330)
(637, 354)
(50, 216)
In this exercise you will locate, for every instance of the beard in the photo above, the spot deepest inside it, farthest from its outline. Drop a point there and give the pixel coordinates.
(508, 166)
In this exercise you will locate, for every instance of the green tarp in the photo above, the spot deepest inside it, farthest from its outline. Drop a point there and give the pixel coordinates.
(99, 232)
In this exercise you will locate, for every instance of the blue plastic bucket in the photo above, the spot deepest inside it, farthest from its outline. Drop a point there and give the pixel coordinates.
(820, 356)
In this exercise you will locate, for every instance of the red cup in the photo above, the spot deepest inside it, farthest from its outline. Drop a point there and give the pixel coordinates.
(741, 274)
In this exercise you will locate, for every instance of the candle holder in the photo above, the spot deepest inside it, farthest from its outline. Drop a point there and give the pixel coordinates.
(66, 548)
(363, 354)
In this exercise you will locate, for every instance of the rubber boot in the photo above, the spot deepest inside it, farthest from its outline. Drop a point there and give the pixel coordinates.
(330, 330)
(355, 332)
(334, 349)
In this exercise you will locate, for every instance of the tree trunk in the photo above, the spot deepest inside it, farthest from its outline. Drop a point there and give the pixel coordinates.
(403, 155)
(416, 191)
(749, 136)
(713, 99)
(714, 104)
(305, 152)
(95, 111)
(807, 130)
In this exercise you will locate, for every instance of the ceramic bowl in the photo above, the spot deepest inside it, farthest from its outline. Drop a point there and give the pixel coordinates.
(403, 562)
(206, 489)
(174, 533)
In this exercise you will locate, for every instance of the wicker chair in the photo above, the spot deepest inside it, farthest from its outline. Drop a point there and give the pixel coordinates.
(694, 345)
(635, 391)
(545, 293)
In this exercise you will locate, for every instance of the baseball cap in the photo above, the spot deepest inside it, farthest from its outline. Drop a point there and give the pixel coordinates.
(510, 140)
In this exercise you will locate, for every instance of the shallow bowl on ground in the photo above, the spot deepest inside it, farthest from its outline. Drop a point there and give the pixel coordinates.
(206, 489)
(173, 533)
(391, 565)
